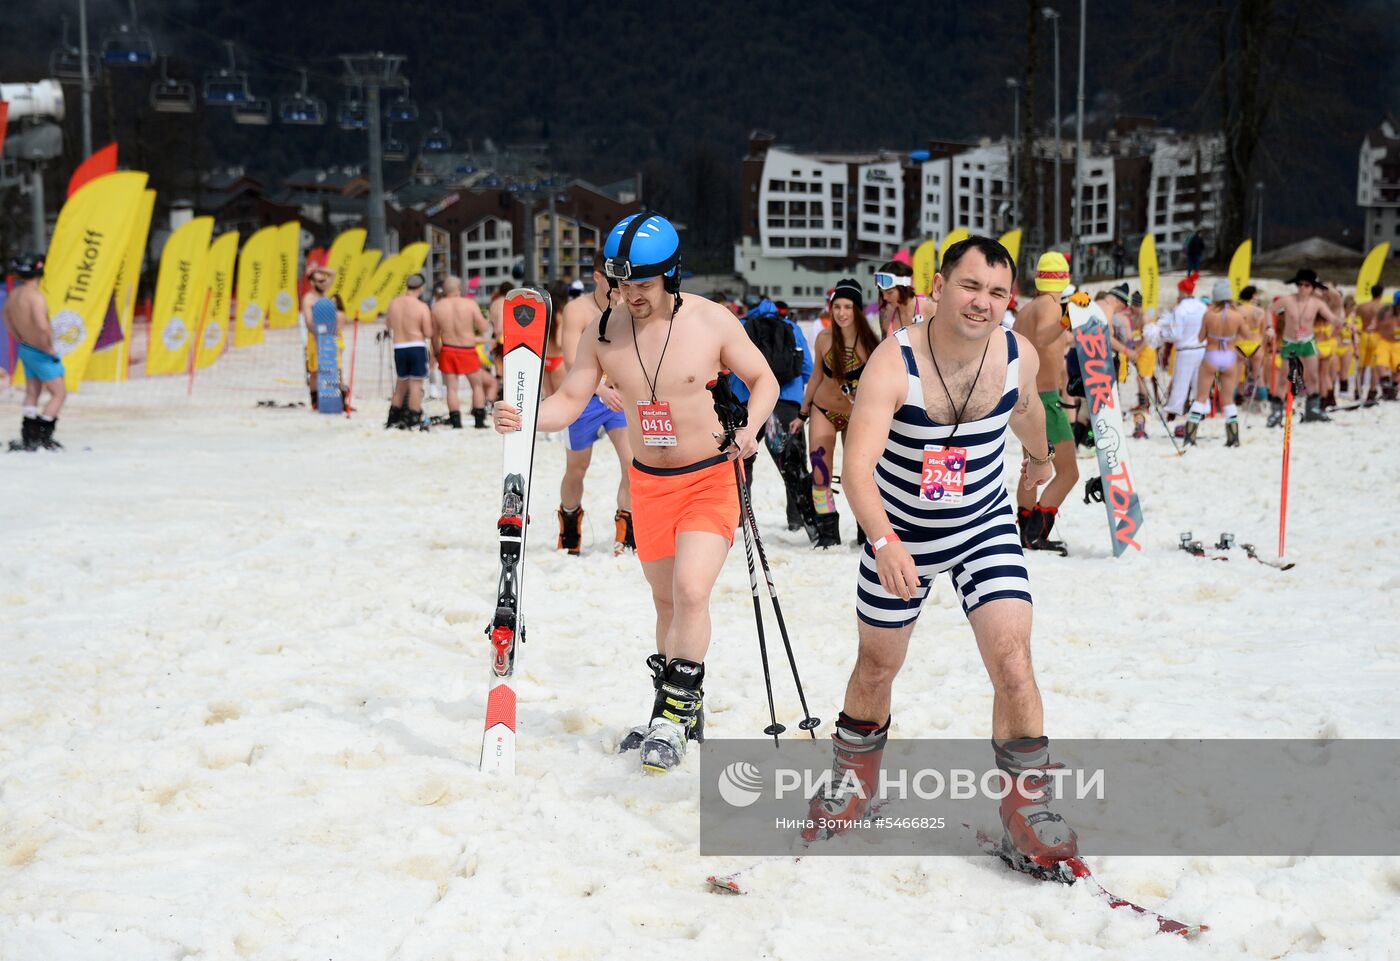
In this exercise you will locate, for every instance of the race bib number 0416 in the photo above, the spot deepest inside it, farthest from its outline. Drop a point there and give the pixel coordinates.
(655, 419)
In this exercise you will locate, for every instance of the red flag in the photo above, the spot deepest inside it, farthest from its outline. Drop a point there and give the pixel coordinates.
(102, 162)
(4, 119)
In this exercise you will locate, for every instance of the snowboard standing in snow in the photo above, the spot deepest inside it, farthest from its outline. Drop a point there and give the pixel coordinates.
(328, 396)
(1091, 344)
(526, 319)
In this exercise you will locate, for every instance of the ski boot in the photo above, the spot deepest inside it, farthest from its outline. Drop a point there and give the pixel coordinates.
(411, 419)
(1190, 437)
(1042, 541)
(1275, 412)
(28, 435)
(633, 739)
(828, 530)
(676, 713)
(857, 747)
(1312, 410)
(454, 419)
(1034, 834)
(1388, 390)
(1029, 522)
(395, 417)
(479, 418)
(1232, 433)
(623, 538)
(1139, 426)
(1370, 400)
(570, 534)
(44, 434)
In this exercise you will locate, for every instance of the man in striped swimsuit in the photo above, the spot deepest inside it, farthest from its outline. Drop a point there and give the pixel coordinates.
(924, 476)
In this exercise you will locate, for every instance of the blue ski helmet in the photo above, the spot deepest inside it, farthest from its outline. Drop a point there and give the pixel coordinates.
(642, 246)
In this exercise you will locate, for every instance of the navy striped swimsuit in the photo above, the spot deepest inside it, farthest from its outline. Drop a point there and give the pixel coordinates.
(976, 540)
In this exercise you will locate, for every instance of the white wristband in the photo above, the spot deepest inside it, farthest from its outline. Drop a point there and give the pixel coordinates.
(889, 538)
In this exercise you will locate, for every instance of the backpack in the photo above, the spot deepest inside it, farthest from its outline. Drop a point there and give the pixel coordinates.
(776, 340)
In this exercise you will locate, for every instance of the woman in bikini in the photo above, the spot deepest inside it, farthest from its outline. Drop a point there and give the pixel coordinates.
(843, 348)
(899, 305)
(1222, 325)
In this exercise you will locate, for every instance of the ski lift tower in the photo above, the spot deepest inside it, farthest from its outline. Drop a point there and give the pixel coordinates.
(372, 72)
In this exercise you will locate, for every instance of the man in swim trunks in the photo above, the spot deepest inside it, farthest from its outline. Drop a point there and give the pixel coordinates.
(1041, 322)
(27, 320)
(924, 476)
(457, 325)
(1387, 359)
(1366, 313)
(410, 326)
(1300, 312)
(659, 351)
(603, 415)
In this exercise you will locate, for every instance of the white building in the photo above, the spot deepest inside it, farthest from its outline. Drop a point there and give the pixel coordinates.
(1185, 189)
(981, 190)
(935, 197)
(880, 217)
(1378, 184)
(802, 201)
(1097, 201)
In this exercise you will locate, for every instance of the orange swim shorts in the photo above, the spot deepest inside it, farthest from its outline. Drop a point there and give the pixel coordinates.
(458, 360)
(668, 500)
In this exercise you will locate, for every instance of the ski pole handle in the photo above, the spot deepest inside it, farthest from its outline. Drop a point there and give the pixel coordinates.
(732, 415)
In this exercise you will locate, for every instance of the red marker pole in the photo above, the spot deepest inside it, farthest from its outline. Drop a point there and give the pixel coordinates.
(1283, 497)
(198, 339)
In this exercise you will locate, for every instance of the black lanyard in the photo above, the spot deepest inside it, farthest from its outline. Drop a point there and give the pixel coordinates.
(952, 405)
(651, 383)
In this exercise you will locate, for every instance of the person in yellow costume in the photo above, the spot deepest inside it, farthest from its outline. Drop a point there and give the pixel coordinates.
(320, 277)
(1366, 314)
(1257, 333)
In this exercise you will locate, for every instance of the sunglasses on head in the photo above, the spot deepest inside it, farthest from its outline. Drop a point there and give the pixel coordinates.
(887, 281)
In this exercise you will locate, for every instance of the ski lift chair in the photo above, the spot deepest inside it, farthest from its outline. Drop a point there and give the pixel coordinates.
(402, 109)
(437, 140)
(171, 96)
(129, 45)
(301, 108)
(255, 112)
(227, 86)
(66, 61)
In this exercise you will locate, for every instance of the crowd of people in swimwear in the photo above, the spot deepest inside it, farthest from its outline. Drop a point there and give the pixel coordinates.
(1212, 353)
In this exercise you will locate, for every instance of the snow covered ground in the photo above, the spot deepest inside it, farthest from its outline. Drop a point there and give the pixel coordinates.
(245, 678)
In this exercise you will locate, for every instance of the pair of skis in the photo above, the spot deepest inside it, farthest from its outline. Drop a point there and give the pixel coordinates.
(1072, 871)
(1227, 540)
(526, 320)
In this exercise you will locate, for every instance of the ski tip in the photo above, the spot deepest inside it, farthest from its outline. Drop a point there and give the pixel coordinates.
(723, 885)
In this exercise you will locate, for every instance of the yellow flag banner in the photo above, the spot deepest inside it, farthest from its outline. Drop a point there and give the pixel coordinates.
(1147, 273)
(1239, 268)
(254, 287)
(1011, 240)
(953, 237)
(286, 263)
(179, 297)
(88, 247)
(924, 255)
(360, 275)
(110, 363)
(388, 280)
(1370, 273)
(414, 256)
(218, 281)
(344, 254)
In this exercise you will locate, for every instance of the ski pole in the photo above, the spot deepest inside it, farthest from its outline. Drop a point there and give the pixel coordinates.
(354, 350)
(808, 722)
(729, 424)
(1294, 370)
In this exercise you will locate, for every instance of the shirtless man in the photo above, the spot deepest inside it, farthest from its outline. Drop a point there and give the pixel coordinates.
(1387, 349)
(27, 320)
(602, 415)
(410, 326)
(1299, 312)
(1221, 329)
(1041, 322)
(321, 277)
(1366, 369)
(457, 324)
(659, 351)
